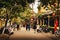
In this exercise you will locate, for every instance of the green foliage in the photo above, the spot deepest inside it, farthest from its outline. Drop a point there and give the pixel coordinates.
(51, 2)
(26, 14)
(39, 6)
(40, 16)
(16, 8)
(30, 1)
(44, 2)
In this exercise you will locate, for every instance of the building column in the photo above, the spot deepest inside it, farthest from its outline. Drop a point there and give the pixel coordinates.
(48, 20)
(43, 21)
(40, 22)
(37, 21)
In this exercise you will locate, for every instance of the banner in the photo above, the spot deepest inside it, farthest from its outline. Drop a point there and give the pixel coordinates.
(55, 25)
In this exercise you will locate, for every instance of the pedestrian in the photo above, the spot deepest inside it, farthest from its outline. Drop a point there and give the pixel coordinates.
(17, 26)
(35, 27)
(28, 25)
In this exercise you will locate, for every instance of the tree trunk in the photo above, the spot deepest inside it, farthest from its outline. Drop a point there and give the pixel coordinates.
(5, 23)
(10, 21)
(6, 20)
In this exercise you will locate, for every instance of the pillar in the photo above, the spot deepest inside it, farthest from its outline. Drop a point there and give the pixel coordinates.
(37, 21)
(48, 20)
(43, 21)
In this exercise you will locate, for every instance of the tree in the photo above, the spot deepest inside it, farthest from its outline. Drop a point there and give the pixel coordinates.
(44, 2)
(30, 1)
(12, 9)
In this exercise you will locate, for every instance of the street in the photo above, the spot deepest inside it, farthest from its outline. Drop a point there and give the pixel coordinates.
(31, 35)
(29, 19)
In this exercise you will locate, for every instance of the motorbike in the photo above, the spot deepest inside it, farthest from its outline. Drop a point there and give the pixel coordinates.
(46, 29)
(57, 32)
(39, 29)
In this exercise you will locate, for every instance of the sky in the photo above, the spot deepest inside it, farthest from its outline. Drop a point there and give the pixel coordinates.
(34, 6)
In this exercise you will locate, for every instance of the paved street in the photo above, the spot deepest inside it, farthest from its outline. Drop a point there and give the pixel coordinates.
(31, 35)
